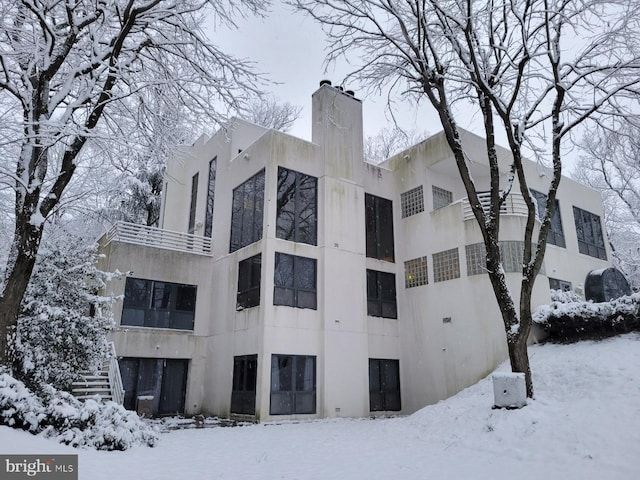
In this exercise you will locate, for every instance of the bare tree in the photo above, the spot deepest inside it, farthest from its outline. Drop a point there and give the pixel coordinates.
(270, 113)
(389, 141)
(537, 68)
(610, 163)
(64, 66)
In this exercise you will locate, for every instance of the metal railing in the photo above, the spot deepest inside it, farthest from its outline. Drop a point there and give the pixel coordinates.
(156, 237)
(115, 379)
(514, 204)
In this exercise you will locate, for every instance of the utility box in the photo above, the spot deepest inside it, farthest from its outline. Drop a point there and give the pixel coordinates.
(144, 406)
(509, 390)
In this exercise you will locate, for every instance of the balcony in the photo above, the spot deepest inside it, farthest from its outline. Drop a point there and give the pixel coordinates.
(158, 238)
(513, 205)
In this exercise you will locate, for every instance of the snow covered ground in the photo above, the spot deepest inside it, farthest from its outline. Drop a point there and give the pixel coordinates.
(584, 424)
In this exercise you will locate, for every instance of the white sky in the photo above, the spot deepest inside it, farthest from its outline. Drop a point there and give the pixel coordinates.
(290, 48)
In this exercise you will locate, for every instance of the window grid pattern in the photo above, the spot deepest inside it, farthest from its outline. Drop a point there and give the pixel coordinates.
(415, 272)
(589, 232)
(446, 265)
(412, 202)
(511, 255)
(296, 216)
(295, 281)
(555, 235)
(441, 197)
(476, 259)
(246, 212)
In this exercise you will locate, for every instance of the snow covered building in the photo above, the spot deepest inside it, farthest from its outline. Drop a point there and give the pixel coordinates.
(293, 279)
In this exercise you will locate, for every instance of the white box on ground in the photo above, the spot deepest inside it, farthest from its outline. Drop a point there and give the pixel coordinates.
(509, 390)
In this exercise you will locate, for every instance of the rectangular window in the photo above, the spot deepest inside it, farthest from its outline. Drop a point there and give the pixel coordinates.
(415, 272)
(243, 393)
(155, 304)
(446, 265)
(589, 232)
(511, 257)
(384, 385)
(381, 294)
(211, 190)
(249, 275)
(296, 216)
(379, 228)
(555, 284)
(293, 384)
(246, 212)
(294, 281)
(476, 259)
(441, 197)
(163, 379)
(555, 236)
(412, 202)
(194, 201)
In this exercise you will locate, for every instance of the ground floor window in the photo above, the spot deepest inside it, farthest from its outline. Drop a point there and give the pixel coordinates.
(293, 384)
(384, 385)
(163, 379)
(243, 394)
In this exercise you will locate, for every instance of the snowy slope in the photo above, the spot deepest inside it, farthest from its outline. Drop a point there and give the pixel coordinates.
(584, 424)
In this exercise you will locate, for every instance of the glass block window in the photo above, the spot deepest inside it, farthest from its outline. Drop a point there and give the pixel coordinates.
(441, 197)
(446, 265)
(415, 272)
(555, 236)
(589, 232)
(476, 259)
(511, 255)
(296, 215)
(412, 202)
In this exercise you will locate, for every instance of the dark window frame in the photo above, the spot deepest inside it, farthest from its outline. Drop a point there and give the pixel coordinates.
(294, 393)
(379, 228)
(243, 389)
(159, 304)
(297, 207)
(249, 278)
(211, 189)
(289, 289)
(589, 233)
(194, 203)
(555, 235)
(381, 294)
(384, 385)
(247, 212)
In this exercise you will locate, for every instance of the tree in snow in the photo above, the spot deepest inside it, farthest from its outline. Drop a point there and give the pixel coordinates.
(270, 113)
(64, 67)
(535, 68)
(63, 323)
(610, 162)
(389, 141)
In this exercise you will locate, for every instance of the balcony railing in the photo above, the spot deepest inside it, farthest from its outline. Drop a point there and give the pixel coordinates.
(514, 204)
(158, 238)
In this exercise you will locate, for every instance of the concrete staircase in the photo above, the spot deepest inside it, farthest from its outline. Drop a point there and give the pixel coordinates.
(107, 383)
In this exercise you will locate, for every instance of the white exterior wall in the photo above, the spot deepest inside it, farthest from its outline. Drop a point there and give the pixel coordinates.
(437, 359)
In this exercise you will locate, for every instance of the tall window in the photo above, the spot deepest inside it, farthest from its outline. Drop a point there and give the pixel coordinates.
(412, 202)
(246, 213)
(211, 189)
(150, 303)
(249, 271)
(296, 216)
(243, 393)
(294, 281)
(441, 197)
(446, 265)
(379, 227)
(381, 294)
(384, 385)
(555, 236)
(589, 231)
(293, 384)
(194, 201)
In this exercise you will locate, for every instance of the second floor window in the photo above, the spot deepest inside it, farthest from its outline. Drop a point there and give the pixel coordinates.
(247, 212)
(211, 190)
(555, 236)
(294, 281)
(249, 274)
(381, 294)
(589, 232)
(296, 216)
(193, 203)
(379, 227)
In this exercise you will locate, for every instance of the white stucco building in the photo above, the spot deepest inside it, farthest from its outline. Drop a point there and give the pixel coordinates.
(292, 279)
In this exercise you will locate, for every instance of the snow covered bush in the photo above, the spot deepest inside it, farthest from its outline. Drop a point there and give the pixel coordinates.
(59, 415)
(565, 296)
(59, 335)
(573, 321)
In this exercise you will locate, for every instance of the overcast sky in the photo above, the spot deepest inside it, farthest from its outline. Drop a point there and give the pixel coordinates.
(290, 48)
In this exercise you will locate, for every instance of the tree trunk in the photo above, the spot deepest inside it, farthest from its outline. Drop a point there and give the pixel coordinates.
(519, 359)
(25, 247)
